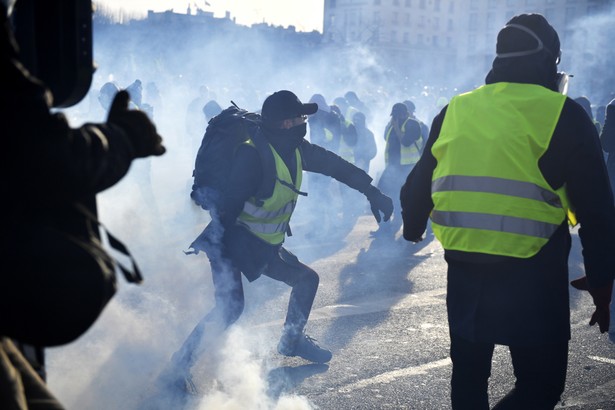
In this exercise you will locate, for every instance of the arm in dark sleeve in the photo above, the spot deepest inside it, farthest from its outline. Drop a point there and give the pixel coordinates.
(415, 194)
(607, 136)
(244, 181)
(46, 157)
(412, 133)
(575, 158)
(350, 136)
(319, 160)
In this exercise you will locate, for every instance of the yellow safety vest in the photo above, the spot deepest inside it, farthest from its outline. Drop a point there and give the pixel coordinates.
(408, 155)
(269, 219)
(488, 192)
(346, 151)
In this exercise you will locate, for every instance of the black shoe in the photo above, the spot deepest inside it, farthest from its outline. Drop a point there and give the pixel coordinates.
(305, 347)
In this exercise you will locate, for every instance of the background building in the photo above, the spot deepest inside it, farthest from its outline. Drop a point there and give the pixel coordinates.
(436, 37)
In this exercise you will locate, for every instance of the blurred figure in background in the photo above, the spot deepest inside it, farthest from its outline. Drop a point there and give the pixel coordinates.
(404, 144)
(210, 110)
(411, 112)
(366, 149)
(584, 102)
(106, 94)
(195, 121)
(324, 130)
(353, 101)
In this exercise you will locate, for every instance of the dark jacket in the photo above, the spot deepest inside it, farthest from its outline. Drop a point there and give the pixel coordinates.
(607, 138)
(247, 252)
(49, 166)
(514, 301)
(320, 121)
(410, 136)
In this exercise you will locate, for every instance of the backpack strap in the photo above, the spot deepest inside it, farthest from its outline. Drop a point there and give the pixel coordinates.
(265, 190)
(132, 275)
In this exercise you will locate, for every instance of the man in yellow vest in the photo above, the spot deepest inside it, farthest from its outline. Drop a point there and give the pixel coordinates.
(503, 169)
(403, 146)
(247, 235)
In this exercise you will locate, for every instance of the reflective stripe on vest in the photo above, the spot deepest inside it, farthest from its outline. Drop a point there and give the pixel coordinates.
(488, 192)
(269, 220)
(408, 155)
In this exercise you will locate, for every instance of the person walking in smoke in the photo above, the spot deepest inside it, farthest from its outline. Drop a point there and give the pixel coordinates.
(503, 167)
(325, 131)
(366, 149)
(239, 240)
(404, 143)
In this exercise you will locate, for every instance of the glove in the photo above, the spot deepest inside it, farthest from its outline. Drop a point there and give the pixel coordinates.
(602, 300)
(137, 126)
(379, 202)
(411, 236)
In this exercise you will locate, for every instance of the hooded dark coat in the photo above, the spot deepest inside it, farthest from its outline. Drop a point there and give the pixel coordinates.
(48, 296)
(514, 301)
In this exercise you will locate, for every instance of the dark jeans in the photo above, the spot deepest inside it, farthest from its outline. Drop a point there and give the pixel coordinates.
(229, 296)
(540, 373)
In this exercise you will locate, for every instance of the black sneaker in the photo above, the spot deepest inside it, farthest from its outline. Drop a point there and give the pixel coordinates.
(305, 347)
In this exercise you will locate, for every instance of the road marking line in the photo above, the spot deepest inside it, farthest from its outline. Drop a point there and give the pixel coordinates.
(395, 374)
(602, 359)
(395, 302)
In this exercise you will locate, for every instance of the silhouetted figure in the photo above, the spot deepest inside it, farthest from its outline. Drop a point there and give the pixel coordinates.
(211, 109)
(404, 144)
(61, 278)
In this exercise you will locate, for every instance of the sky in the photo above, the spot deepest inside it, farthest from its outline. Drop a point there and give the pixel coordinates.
(305, 15)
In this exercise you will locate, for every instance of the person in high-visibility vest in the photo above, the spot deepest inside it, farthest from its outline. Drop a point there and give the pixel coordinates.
(324, 129)
(403, 147)
(507, 167)
(248, 234)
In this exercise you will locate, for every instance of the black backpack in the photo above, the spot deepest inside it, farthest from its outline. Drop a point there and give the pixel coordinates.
(224, 133)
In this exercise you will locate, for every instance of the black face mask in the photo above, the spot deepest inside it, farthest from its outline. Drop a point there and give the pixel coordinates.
(285, 140)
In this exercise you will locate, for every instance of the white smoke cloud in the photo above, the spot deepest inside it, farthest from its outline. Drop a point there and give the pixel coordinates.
(114, 364)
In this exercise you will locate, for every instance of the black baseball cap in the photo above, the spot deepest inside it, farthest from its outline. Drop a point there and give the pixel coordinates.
(399, 108)
(283, 105)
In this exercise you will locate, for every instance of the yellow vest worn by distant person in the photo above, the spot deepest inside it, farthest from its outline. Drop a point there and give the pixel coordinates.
(409, 155)
(488, 192)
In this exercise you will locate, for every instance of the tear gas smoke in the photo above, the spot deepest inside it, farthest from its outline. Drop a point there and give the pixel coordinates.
(113, 364)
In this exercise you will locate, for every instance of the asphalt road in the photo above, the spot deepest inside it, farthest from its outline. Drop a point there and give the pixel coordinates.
(380, 309)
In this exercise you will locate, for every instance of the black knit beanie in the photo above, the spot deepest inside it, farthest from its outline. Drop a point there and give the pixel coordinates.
(515, 39)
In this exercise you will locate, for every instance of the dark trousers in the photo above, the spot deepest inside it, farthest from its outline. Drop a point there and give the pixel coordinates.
(540, 373)
(229, 296)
